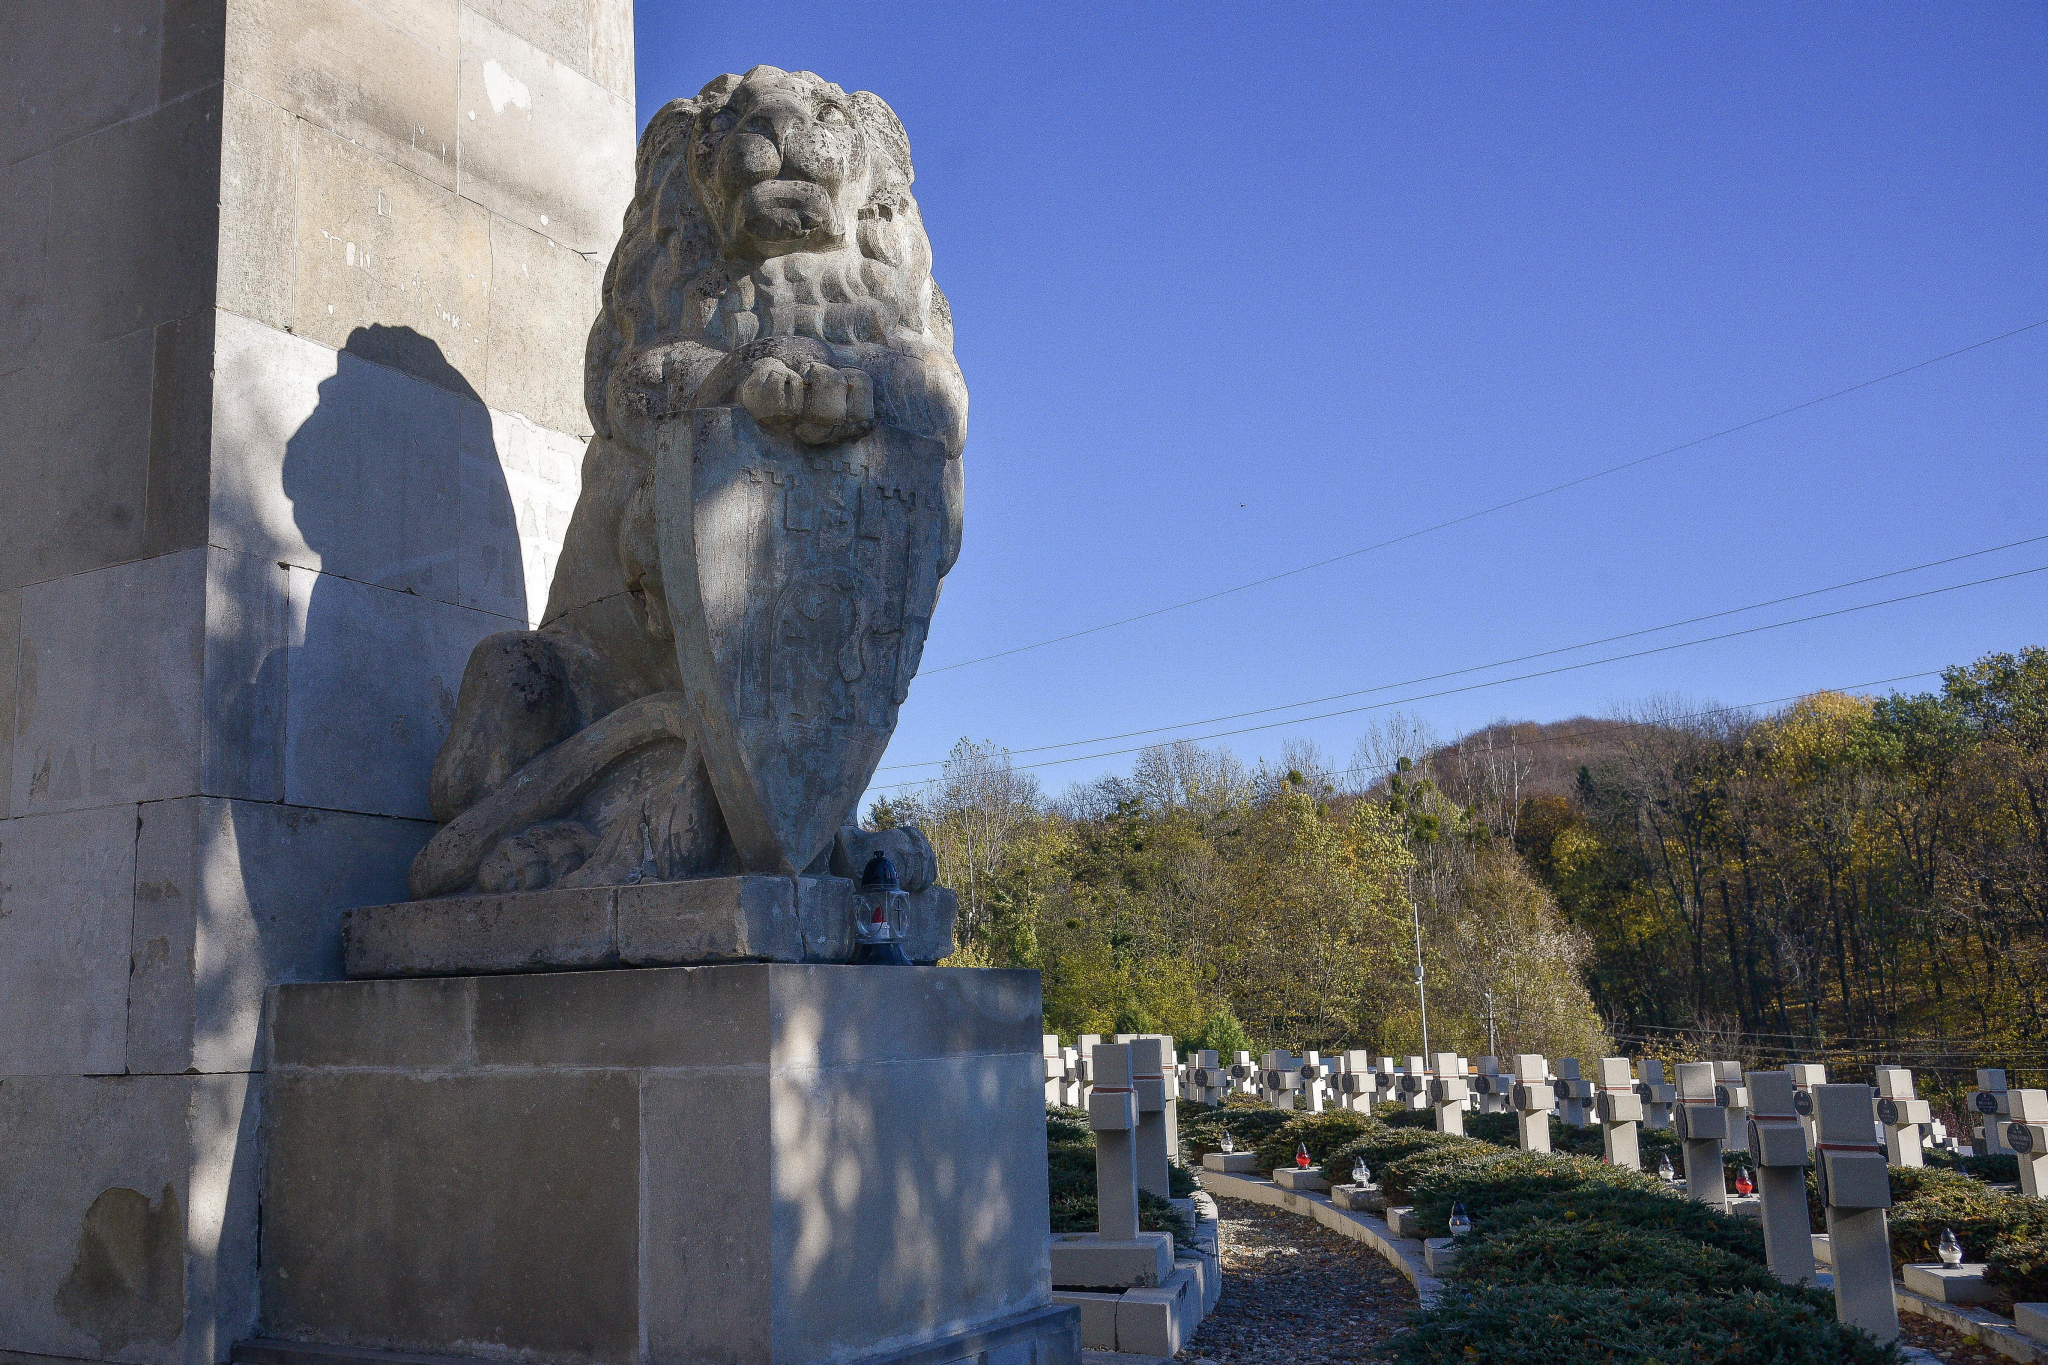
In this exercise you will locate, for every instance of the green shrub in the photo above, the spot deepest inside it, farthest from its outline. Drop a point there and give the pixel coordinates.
(1397, 1114)
(1070, 1177)
(1980, 1216)
(2019, 1267)
(1498, 1179)
(1202, 1132)
(2002, 1170)
(1324, 1133)
(1542, 1324)
(1499, 1129)
(1400, 1180)
(1608, 1257)
(1382, 1146)
(1620, 1207)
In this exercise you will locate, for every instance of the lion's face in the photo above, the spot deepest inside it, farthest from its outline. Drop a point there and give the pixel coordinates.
(781, 167)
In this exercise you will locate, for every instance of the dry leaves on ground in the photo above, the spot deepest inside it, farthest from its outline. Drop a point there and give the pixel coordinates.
(1295, 1293)
(1947, 1344)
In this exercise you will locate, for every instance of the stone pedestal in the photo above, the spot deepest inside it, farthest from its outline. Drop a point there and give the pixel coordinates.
(750, 1163)
(652, 924)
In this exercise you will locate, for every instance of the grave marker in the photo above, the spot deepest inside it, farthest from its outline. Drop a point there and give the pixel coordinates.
(1148, 1082)
(1703, 1127)
(1900, 1114)
(1619, 1110)
(1448, 1092)
(1989, 1104)
(1805, 1076)
(1532, 1098)
(1658, 1094)
(1574, 1093)
(1777, 1146)
(1856, 1190)
(2027, 1136)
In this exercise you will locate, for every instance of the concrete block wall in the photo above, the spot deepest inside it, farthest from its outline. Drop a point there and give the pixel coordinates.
(293, 296)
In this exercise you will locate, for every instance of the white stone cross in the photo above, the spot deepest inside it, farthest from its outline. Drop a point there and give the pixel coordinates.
(1658, 1094)
(1574, 1093)
(1989, 1103)
(1113, 1115)
(1055, 1066)
(1777, 1147)
(1532, 1097)
(1703, 1127)
(1279, 1079)
(1900, 1114)
(1805, 1076)
(1448, 1093)
(1619, 1110)
(2027, 1136)
(1855, 1189)
(1732, 1095)
(1415, 1083)
(1313, 1083)
(1148, 1081)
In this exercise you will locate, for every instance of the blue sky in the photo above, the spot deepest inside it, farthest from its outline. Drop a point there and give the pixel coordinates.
(1239, 289)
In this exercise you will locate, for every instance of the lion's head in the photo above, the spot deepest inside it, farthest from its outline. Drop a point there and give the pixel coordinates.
(772, 204)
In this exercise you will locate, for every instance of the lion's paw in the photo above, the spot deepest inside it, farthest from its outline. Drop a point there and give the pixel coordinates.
(820, 406)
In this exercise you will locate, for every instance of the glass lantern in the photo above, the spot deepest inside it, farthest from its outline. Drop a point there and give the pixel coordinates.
(880, 915)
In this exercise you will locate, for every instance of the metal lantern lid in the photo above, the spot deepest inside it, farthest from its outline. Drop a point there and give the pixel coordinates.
(880, 875)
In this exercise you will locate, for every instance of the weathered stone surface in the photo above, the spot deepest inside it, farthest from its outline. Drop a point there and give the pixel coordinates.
(544, 296)
(24, 271)
(541, 143)
(560, 28)
(132, 224)
(518, 487)
(542, 1138)
(772, 498)
(64, 81)
(66, 884)
(525, 931)
(232, 896)
(259, 207)
(10, 666)
(723, 919)
(380, 246)
(337, 463)
(373, 676)
(105, 1181)
(1083, 1260)
(76, 475)
(611, 46)
(381, 71)
(513, 1196)
(109, 707)
(658, 924)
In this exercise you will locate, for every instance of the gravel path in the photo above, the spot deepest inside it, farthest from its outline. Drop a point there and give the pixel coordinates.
(1295, 1293)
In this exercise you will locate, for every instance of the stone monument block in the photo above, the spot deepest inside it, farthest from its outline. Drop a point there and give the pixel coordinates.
(740, 1163)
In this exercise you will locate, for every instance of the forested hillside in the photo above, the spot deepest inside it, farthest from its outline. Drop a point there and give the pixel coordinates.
(1850, 876)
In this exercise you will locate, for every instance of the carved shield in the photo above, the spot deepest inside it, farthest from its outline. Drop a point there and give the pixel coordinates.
(801, 582)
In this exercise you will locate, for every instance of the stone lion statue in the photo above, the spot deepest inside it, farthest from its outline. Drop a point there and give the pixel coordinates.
(774, 270)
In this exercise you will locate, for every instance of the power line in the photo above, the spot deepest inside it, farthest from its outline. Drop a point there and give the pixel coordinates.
(1489, 511)
(1498, 663)
(1539, 673)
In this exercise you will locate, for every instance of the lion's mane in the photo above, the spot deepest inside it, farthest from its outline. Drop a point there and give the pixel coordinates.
(669, 281)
